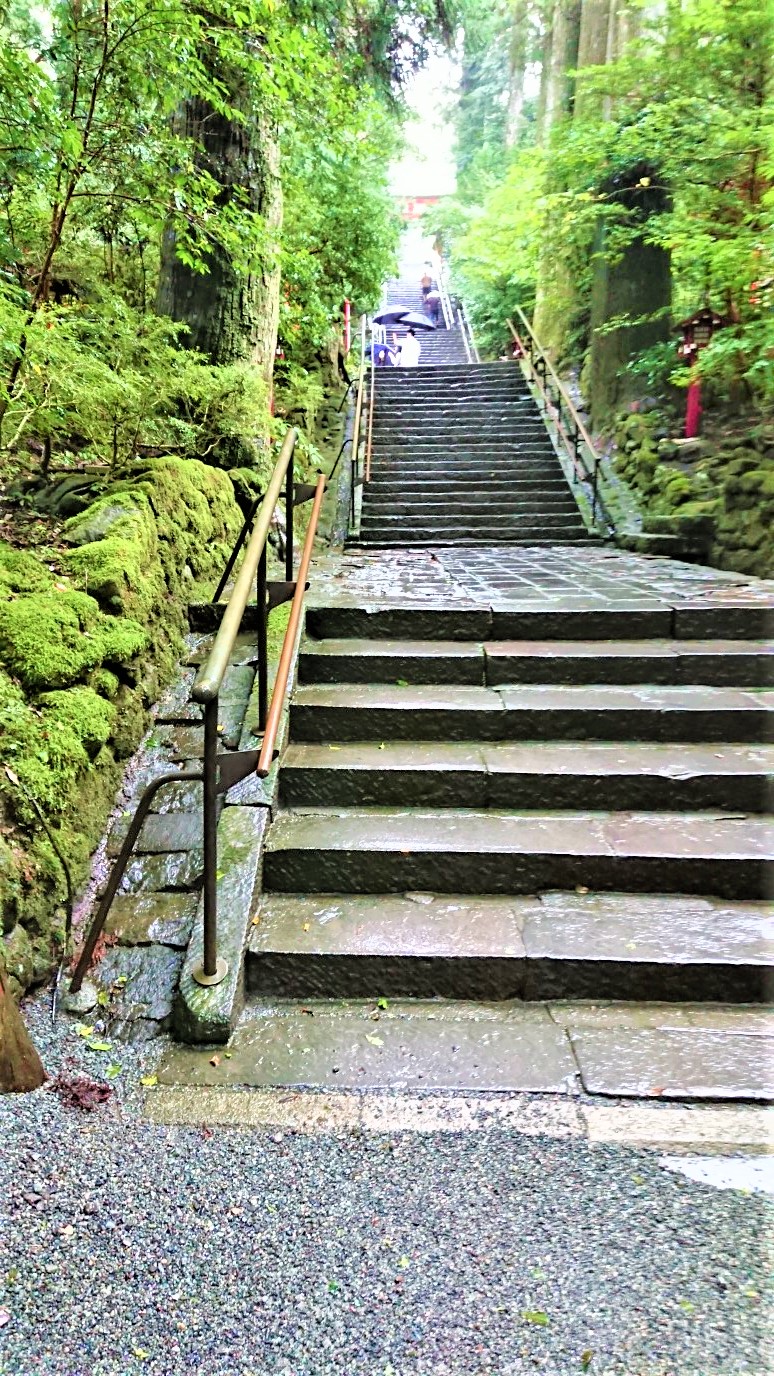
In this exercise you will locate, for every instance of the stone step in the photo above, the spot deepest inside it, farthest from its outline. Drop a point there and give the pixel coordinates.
(468, 510)
(386, 712)
(699, 1051)
(476, 485)
(412, 536)
(487, 852)
(464, 520)
(560, 946)
(484, 541)
(731, 663)
(634, 620)
(536, 774)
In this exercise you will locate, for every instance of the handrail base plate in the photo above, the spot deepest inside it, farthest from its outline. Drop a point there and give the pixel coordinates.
(221, 970)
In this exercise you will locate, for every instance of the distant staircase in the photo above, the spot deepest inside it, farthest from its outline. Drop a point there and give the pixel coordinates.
(461, 456)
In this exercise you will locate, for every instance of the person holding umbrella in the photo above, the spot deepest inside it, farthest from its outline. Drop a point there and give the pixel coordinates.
(408, 350)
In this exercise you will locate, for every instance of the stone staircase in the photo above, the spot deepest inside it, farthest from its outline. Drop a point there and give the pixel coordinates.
(461, 456)
(469, 812)
(439, 347)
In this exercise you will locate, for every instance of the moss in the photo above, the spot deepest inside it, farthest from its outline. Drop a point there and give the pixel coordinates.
(104, 682)
(131, 722)
(22, 572)
(83, 712)
(51, 640)
(10, 886)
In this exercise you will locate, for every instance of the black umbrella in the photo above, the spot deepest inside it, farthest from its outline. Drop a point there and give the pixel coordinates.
(417, 321)
(391, 315)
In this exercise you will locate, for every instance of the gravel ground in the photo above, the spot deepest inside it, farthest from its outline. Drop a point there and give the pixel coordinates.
(133, 1250)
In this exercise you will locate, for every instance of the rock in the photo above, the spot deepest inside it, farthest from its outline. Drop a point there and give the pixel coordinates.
(19, 960)
(83, 1001)
(151, 974)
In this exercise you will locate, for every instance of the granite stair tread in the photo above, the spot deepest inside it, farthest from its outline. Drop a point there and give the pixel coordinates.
(496, 948)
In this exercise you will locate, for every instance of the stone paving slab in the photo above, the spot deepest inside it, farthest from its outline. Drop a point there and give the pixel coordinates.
(685, 1064)
(160, 832)
(734, 663)
(350, 1053)
(177, 870)
(476, 576)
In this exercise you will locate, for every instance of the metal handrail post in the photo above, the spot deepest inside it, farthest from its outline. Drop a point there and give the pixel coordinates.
(213, 968)
(461, 323)
(263, 639)
(289, 511)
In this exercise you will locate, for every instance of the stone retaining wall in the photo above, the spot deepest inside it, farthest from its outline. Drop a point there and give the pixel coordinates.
(89, 636)
(717, 495)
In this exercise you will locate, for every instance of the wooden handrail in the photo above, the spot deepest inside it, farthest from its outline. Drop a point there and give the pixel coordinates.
(286, 657)
(210, 676)
(560, 387)
(371, 400)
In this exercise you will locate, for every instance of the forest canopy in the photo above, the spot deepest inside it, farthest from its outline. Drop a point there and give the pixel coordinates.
(589, 135)
(185, 191)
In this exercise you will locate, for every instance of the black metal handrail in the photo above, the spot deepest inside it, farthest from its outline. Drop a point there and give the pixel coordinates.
(220, 772)
(560, 409)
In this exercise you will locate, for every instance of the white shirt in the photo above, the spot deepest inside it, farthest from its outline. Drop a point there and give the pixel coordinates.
(409, 352)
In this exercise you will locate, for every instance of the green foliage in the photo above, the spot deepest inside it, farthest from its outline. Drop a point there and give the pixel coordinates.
(50, 641)
(673, 144)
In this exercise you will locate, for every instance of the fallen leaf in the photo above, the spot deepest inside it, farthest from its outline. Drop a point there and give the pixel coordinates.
(401, 682)
(140, 1353)
(148, 1081)
(227, 1055)
(4, 1317)
(407, 851)
(214, 1060)
(309, 1012)
(535, 1316)
(657, 1089)
(99, 1046)
(79, 1091)
(382, 746)
(587, 1358)
(113, 1070)
(687, 1306)
(307, 927)
(257, 920)
(404, 1262)
(382, 1003)
(83, 1030)
(334, 747)
(375, 1041)
(638, 1179)
(581, 888)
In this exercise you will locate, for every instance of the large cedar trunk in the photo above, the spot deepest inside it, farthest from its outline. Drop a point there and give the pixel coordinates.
(20, 1065)
(232, 314)
(556, 297)
(638, 284)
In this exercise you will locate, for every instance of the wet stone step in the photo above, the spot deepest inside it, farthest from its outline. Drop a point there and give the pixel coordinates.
(467, 851)
(350, 1051)
(731, 662)
(178, 870)
(560, 945)
(528, 712)
(141, 919)
(574, 539)
(534, 775)
(173, 831)
(635, 619)
(691, 1064)
(374, 661)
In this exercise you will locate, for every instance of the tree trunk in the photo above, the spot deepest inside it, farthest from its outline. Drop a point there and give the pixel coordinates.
(638, 284)
(517, 68)
(555, 299)
(232, 314)
(20, 1065)
(593, 50)
(564, 58)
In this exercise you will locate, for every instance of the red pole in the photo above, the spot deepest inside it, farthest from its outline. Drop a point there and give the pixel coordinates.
(693, 409)
(347, 336)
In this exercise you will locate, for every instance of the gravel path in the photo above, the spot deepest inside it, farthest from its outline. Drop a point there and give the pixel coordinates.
(133, 1250)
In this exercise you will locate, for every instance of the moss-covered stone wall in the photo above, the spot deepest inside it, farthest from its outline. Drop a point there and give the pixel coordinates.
(716, 493)
(88, 638)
